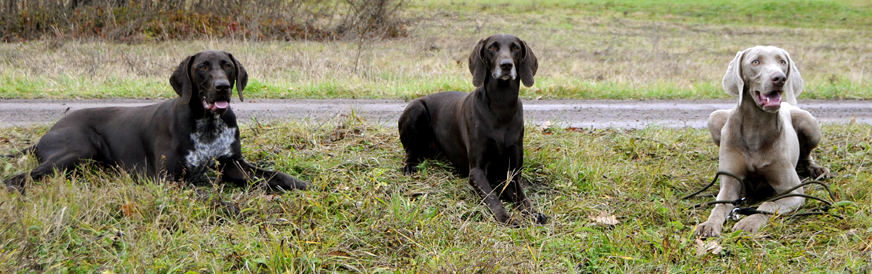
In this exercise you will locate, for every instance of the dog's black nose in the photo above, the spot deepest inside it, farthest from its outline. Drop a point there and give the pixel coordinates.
(222, 85)
(506, 64)
(778, 79)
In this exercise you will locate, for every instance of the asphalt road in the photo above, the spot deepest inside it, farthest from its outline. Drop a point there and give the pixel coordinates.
(575, 113)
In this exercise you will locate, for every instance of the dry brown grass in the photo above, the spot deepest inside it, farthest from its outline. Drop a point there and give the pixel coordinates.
(586, 57)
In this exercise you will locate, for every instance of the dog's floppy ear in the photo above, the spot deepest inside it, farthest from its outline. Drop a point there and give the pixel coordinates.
(181, 79)
(733, 82)
(794, 80)
(241, 76)
(528, 65)
(477, 66)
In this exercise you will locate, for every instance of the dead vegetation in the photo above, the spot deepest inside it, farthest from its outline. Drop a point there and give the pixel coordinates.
(138, 21)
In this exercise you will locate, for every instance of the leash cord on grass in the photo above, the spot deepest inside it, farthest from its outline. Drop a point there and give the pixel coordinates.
(786, 194)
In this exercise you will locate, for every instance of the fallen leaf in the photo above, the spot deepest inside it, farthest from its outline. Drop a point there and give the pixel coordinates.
(852, 232)
(234, 257)
(605, 219)
(338, 254)
(271, 197)
(545, 126)
(703, 248)
(280, 221)
(128, 209)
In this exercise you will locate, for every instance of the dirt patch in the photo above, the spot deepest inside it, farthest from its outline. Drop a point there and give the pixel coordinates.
(575, 113)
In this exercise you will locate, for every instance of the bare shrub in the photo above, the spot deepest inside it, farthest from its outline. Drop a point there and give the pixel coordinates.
(123, 20)
(374, 18)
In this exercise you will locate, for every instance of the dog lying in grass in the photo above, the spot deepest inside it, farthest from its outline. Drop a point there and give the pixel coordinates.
(481, 133)
(179, 139)
(763, 139)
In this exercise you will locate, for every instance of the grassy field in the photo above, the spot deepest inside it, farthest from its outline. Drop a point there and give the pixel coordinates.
(365, 216)
(587, 49)
(612, 195)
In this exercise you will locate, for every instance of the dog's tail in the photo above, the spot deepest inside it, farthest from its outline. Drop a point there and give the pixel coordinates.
(27, 150)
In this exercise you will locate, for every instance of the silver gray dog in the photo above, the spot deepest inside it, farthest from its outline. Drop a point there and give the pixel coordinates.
(763, 139)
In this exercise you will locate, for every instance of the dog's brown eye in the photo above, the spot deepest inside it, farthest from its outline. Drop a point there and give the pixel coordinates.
(755, 62)
(203, 67)
(783, 62)
(226, 66)
(493, 48)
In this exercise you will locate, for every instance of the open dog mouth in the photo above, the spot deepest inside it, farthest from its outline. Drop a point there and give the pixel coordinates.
(219, 104)
(770, 101)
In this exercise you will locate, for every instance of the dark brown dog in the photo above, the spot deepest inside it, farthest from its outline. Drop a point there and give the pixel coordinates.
(481, 133)
(178, 139)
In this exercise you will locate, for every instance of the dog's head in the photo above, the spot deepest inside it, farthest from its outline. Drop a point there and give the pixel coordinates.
(766, 74)
(206, 79)
(502, 57)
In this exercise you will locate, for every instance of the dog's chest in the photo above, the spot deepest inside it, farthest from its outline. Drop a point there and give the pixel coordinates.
(212, 139)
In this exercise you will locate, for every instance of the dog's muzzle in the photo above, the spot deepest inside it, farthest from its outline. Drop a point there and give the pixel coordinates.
(505, 71)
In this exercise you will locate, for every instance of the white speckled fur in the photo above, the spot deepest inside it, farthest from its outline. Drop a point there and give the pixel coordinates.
(498, 74)
(210, 142)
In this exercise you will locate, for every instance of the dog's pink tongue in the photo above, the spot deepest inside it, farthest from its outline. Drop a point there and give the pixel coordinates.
(772, 100)
(221, 104)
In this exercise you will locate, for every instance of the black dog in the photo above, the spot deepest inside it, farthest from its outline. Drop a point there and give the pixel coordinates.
(178, 139)
(481, 133)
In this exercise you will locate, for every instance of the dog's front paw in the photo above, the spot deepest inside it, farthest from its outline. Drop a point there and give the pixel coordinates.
(300, 184)
(819, 172)
(751, 224)
(287, 182)
(508, 220)
(229, 209)
(709, 229)
(540, 218)
(516, 221)
(408, 170)
(16, 183)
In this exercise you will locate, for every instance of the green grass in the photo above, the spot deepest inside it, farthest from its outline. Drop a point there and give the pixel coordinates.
(586, 50)
(365, 216)
(789, 13)
(409, 89)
